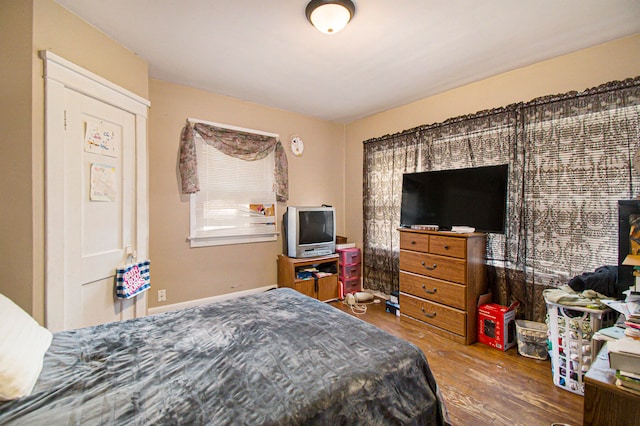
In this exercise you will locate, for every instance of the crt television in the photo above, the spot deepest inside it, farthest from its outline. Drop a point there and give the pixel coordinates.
(475, 197)
(309, 231)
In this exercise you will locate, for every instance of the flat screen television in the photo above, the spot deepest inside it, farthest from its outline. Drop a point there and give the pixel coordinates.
(309, 231)
(475, 197)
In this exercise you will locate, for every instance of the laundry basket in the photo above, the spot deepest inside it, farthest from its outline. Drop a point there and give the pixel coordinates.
(573, 348)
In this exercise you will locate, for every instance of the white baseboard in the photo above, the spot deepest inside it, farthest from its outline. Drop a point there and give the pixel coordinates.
(207, 300)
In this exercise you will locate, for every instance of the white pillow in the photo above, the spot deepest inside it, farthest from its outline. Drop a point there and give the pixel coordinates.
(23, 343)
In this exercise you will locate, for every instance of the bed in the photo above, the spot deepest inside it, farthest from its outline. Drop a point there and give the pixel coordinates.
(275, 358)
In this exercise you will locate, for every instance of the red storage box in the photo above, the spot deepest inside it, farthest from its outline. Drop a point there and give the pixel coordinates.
(349, 271)
(496, 325)
(349, 256)
(351, 285)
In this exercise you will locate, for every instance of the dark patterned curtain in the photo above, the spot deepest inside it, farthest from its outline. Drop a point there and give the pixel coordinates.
(488, 138)
(579, 151)
(385, 160)
(569, 162)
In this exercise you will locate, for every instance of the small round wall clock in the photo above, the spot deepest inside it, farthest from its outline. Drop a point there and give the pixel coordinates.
(297, 146)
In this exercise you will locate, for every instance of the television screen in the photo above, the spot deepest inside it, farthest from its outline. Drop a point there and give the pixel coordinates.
(315, 227)
(475, 197)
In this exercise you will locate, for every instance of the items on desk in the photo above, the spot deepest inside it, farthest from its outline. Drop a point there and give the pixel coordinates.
(627, 381)
(624, 357)
(624, 354)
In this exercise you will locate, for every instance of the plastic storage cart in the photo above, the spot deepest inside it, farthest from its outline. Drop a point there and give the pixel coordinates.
(571, 329)
(349, 266)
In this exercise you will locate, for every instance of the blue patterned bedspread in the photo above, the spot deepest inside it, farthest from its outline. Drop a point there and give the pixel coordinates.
(276, 358)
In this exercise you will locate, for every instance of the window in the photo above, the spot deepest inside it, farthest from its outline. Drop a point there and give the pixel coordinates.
(578, 167)
(236, 202)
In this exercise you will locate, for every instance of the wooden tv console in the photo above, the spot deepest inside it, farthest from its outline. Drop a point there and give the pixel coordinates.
(442, 274)
(324, 289)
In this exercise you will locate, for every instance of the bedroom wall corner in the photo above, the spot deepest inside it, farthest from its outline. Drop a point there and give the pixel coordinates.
(65, 34)
(26, 27)
(190, 274)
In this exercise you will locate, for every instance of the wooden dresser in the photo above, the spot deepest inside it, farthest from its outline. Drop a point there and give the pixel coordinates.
(442, 275)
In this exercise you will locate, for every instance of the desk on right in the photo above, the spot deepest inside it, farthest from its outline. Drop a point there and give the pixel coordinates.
(604, 402)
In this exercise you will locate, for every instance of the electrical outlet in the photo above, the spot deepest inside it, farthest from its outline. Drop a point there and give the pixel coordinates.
(162, 295)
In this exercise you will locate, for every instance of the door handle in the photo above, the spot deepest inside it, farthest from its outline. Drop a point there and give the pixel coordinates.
(429, 291)
(427, 314)
(130, 253)
(431, 268)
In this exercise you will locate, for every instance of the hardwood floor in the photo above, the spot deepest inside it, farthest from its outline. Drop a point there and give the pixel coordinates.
(482, 385)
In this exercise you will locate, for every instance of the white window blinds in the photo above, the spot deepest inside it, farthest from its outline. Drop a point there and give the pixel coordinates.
(236, 202)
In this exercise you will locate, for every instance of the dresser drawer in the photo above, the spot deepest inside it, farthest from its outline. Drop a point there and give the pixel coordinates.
(447, 268)
(433, 289)
(414, 241)
(447, 318)
(448, 246)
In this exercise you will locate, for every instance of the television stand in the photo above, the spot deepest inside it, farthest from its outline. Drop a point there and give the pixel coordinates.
(322, 286)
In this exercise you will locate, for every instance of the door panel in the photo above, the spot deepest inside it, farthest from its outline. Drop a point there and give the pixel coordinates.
(99, 207)
(99, 296)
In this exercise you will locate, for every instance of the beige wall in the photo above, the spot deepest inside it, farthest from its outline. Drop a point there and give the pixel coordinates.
(195, 273)
(16, 267)
(26, 28)
(580, 70)
(66, 35)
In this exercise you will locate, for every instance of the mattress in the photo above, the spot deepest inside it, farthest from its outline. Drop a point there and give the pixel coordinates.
(275, 358)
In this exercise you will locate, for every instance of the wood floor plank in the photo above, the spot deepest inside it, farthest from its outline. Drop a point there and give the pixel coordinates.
(482, 385)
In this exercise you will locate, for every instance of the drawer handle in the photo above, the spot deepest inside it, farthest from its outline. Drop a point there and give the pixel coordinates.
(431, 268)
(413, 242)
(446, 246)
(429, 291)
(427, 314)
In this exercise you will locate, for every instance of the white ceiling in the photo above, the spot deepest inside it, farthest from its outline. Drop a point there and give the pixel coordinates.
(390, 54)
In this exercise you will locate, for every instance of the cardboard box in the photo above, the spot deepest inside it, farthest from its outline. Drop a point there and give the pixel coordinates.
(496, 325)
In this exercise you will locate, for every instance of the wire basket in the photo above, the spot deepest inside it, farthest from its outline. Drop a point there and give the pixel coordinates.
(532, 339)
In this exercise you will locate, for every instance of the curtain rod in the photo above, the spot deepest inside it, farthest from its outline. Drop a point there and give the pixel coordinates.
(230, 127)
(453, 120)
(611, 86)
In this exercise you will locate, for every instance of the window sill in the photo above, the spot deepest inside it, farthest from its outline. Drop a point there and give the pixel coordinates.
(203, 241)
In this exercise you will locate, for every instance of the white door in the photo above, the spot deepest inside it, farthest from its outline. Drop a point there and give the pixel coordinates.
(99, 204)
(95, 199)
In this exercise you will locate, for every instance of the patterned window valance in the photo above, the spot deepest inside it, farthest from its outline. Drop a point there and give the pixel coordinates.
(235, 143)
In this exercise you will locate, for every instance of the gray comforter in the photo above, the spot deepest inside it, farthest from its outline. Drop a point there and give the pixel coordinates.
(276, 358)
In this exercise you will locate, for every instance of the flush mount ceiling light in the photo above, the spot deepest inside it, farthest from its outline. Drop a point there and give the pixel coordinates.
(330, 16)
